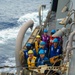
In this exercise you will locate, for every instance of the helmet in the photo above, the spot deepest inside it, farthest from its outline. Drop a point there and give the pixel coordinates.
(41, 51)
(30, 52)
(55, 40)
(53, 31)
(28, 44)
(45, 30)
(38, 36)
(42, 43)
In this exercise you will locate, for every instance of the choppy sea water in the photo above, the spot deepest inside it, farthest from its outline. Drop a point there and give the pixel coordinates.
(13, 13)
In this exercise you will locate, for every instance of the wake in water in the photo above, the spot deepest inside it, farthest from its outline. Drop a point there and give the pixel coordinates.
(7, 34)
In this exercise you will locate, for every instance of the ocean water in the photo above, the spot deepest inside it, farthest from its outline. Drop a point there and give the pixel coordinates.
(13, 13)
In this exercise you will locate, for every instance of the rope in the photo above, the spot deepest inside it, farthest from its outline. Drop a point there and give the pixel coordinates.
(51, 68)
(12, 67)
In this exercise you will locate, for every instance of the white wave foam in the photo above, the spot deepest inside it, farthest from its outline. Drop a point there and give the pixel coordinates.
(7, 34)
(34, 16)
(30, 16)
(9, 62)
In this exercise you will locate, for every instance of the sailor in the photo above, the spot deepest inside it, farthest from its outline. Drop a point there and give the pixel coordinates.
(28, 47)
(37, 42)
(42, 60)
(45, 38)
(51, 38)
(31, 61)
(42, 46)
(55, 51)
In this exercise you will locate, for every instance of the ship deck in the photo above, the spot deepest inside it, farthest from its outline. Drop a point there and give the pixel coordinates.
(52, 25)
